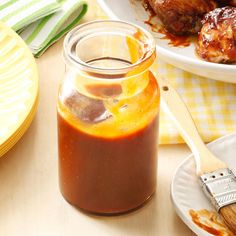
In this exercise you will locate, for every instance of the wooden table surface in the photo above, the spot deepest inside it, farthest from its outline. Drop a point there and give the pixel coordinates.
(30, 200)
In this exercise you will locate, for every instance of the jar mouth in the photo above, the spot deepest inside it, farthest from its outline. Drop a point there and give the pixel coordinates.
(106, 28)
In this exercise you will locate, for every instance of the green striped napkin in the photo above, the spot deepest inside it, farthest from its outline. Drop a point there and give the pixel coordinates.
(19, 13)
(43, 33)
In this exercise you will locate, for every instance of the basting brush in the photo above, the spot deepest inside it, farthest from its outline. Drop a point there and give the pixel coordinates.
(217, 180)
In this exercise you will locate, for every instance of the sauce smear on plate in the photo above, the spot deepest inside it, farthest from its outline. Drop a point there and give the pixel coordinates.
(210, 222)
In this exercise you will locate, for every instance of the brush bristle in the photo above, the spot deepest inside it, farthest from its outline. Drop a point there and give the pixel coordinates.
(228, 214)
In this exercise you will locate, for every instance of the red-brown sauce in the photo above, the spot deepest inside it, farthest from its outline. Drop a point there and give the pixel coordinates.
(174, 40)
(107, 155)
(107, 175)
(108, 147)
(210, 222)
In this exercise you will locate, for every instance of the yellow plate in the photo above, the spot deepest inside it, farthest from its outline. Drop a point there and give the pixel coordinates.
(18, 88)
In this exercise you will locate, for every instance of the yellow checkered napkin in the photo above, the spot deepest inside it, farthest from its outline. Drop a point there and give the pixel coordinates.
(211, 103)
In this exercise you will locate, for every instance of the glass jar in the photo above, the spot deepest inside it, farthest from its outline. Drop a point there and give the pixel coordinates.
(108, 109)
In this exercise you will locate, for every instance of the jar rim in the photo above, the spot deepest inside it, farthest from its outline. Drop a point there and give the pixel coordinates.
(82, 65)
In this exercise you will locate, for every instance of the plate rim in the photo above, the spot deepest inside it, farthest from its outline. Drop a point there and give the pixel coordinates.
(181, 58)
(182, 216)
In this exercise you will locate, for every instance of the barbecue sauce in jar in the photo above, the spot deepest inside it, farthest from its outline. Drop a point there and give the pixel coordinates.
(108, 122)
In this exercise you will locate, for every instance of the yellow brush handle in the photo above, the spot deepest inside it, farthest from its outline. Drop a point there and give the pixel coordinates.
(172, 103)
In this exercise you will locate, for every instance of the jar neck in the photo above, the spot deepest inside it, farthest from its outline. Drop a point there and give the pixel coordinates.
(89, 46)
(109, 55)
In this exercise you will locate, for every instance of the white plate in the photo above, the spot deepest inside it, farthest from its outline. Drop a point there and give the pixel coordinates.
(184, 58)
(186, 192)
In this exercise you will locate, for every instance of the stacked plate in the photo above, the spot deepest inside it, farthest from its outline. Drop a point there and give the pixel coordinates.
(18, 88)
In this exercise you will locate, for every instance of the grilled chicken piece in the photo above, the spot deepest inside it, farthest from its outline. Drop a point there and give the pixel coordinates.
(182, 17)
(217, 39)
(227, 2)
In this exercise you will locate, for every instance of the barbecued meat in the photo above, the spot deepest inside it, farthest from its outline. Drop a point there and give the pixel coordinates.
(182, 17)
(227, 2)
(217, 39)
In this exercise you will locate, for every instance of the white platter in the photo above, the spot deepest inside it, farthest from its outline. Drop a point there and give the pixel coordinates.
(186, 192)
(184, 58)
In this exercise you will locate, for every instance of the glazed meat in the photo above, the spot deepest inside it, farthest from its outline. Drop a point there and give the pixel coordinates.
(227, 2)
(217, 39)
(182, 17)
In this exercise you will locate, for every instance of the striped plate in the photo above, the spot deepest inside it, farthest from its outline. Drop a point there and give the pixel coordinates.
(18, 88)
